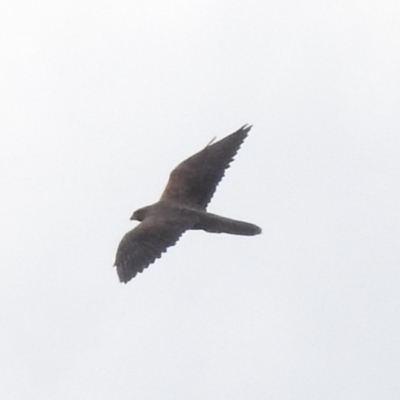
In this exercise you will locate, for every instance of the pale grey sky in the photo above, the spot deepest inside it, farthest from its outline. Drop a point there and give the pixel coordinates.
(100, 100)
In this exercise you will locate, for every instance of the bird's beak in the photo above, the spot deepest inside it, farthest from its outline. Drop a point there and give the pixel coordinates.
(133, 218)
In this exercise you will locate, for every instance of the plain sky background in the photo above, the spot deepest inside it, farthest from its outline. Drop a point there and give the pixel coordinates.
(101, 99)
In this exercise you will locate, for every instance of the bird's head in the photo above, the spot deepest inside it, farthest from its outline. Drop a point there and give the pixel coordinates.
(139, 214)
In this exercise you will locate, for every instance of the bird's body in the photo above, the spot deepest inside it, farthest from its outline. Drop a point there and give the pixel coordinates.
(182, 206)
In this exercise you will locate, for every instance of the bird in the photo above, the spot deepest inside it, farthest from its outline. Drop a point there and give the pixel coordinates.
(182, 207)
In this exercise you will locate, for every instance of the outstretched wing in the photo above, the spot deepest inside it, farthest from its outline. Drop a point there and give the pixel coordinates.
(193, 182)
(144, 244)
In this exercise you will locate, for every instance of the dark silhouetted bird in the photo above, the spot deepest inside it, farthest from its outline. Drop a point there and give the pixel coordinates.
(183, 206)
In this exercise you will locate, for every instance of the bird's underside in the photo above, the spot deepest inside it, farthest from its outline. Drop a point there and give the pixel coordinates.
(182, 207)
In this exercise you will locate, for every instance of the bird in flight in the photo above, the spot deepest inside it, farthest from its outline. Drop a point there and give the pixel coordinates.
(182, 206)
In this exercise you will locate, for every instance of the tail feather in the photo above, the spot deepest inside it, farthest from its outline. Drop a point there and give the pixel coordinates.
(217, 224)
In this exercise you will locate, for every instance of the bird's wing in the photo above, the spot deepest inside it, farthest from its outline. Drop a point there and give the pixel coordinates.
(193, 182)
(144, 244)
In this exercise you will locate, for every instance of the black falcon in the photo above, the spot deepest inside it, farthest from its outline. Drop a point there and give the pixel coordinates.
(183, 206)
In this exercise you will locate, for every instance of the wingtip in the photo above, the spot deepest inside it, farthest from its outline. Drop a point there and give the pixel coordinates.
(124, 278)
(124, 275)
(246, 127)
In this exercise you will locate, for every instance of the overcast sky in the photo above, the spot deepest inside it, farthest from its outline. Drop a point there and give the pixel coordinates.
(100, 100)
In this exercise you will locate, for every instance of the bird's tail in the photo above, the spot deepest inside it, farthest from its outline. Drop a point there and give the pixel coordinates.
(217, 224)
